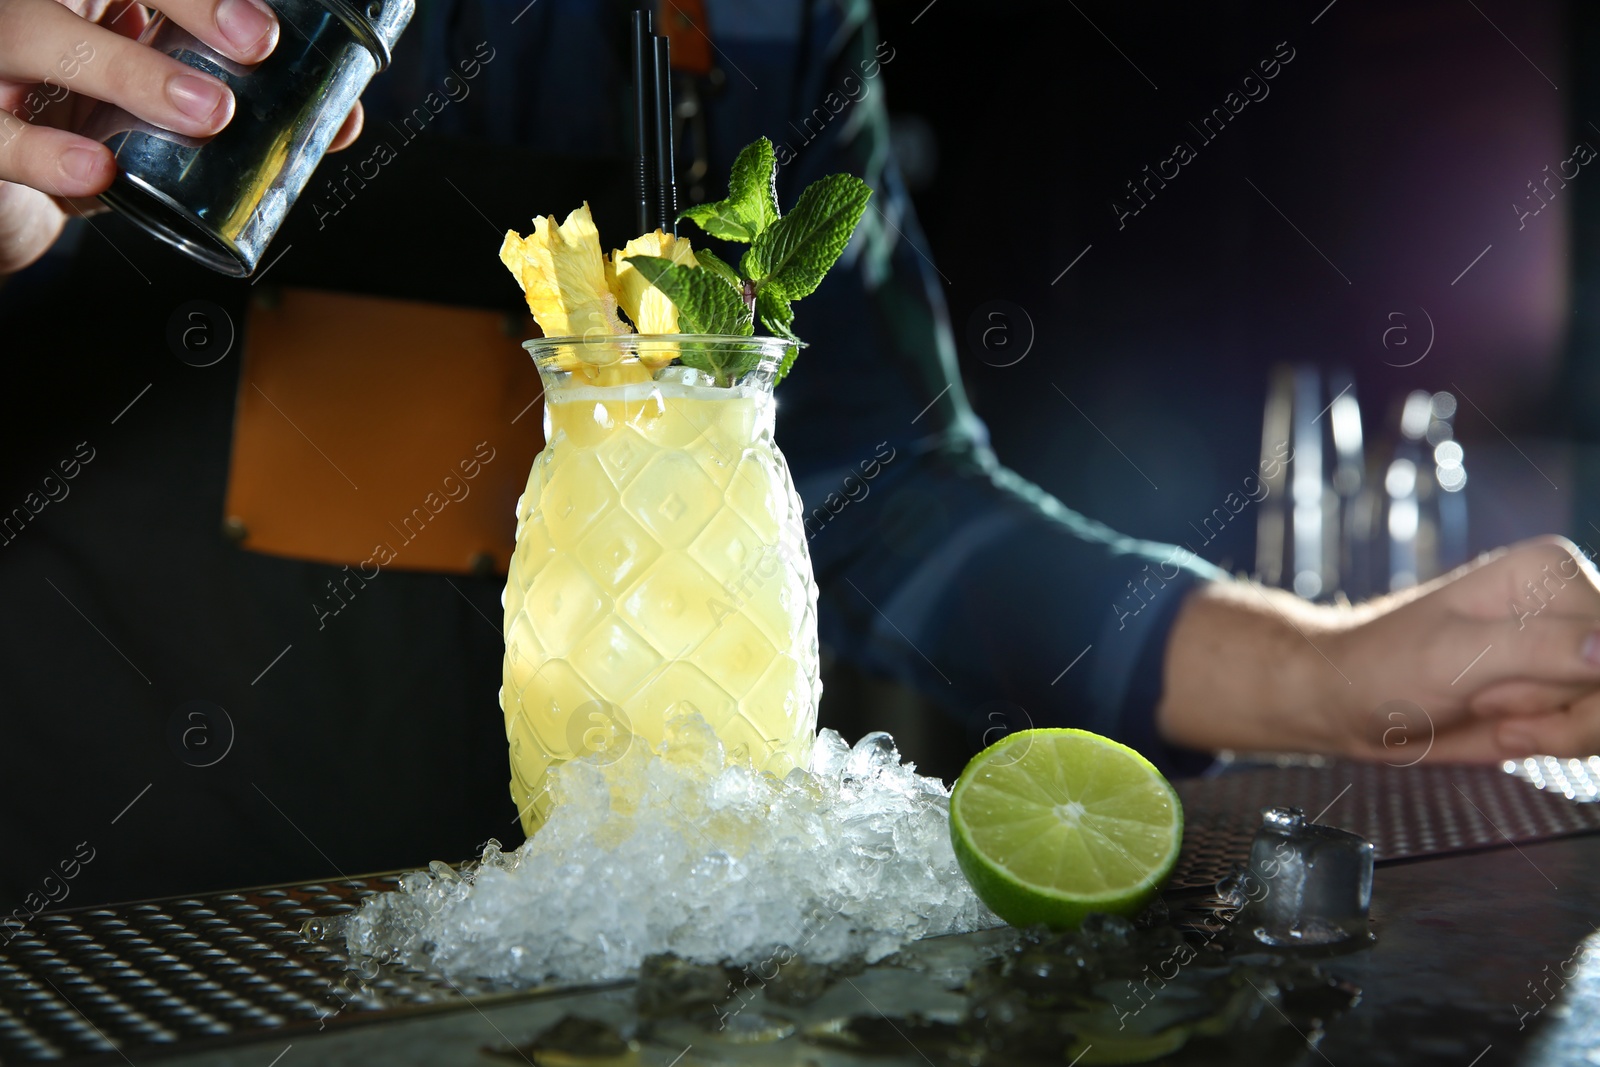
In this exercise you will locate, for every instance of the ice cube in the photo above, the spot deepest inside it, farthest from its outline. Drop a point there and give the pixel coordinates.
(1306, 884)
(828, 754)
(676, 851)
(873, 754)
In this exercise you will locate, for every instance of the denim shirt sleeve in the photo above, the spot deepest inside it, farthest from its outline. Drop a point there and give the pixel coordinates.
(952, 574)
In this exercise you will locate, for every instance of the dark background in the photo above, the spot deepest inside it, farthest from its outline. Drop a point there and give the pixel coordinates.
(1395, 142)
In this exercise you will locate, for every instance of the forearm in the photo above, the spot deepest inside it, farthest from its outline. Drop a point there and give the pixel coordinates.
(1248, 668)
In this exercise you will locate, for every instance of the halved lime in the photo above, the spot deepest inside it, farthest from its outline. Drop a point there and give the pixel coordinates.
(1050, 825)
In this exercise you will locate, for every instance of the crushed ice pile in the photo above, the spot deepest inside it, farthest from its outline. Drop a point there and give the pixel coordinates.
(678, 851)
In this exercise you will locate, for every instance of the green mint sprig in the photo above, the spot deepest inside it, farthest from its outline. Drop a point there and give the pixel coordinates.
(787, 259)
(712, 262)
(752, 203)
(706, 303)
(705, 300)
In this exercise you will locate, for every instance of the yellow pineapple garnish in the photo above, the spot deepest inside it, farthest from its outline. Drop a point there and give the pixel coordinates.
(563, 275)
(646, 305)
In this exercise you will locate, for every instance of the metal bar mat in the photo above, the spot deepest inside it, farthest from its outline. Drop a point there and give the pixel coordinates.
(1421, 810)
(93, 983)
(98, 985)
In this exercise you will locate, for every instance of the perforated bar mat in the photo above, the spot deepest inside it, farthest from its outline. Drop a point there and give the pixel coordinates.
(1422, 810)
(99, 984)
(107, 985)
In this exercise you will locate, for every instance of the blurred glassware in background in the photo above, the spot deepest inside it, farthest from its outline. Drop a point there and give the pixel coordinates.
(1345, 518)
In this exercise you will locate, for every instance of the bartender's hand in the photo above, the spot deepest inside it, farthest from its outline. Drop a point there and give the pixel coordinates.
(1498, 670)
(57, 58)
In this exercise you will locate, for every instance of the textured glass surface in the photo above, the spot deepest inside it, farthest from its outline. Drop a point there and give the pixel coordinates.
(661, 564)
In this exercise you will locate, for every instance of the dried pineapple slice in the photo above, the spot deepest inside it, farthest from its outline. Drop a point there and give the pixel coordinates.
(563, 275)
(648, 307)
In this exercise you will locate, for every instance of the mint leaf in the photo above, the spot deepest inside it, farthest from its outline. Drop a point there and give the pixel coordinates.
(788, 362)
(778, 317)
(723, 362)
(752, 203)
(776, 314)
(705, 301)
(794, 253)
(787, 259)
(710, 261)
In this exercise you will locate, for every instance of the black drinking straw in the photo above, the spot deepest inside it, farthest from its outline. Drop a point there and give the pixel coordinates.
(666, 170)
(643, 125)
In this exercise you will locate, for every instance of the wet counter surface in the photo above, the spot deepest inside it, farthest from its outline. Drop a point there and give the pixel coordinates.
(1463, 943)
(1478, 959)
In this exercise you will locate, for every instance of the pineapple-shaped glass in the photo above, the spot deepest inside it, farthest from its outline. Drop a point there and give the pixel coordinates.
(661, 564)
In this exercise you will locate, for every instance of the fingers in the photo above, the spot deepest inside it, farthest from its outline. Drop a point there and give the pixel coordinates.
(1513, 698)
(1491, 741)
(351, 129)
(40, 39)
(53, 161)
(127, 18)
(1547, 648)
(1471, 742)
(245, 30)
(1568, 734)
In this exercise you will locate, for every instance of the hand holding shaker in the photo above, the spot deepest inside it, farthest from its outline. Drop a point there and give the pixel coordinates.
(220, 199)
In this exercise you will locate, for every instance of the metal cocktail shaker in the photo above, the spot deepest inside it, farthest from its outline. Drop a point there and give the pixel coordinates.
(220, 199)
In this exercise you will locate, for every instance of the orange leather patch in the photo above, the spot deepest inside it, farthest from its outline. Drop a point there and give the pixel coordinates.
(382, 433)
(683, 22)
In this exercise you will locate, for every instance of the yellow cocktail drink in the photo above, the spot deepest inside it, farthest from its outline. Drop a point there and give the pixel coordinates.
(661, 568)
